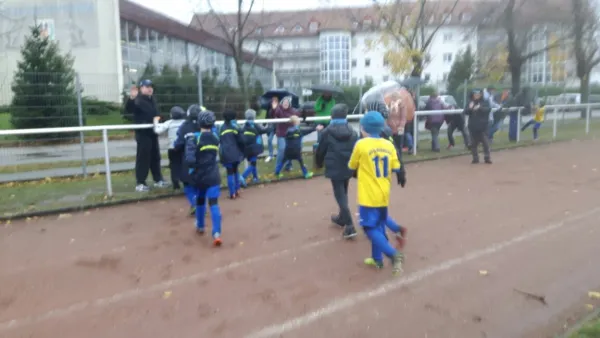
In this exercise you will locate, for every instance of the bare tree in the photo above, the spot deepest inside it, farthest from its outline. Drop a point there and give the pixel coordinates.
(585, 43)
(525, 21)
(408, 30)
(237, 30)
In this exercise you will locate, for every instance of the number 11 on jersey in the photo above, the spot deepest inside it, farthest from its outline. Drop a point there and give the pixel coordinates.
(382, 162)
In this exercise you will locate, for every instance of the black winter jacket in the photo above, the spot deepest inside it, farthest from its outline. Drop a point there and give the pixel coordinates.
(334, 150)
(144, 110)
(188, 128)
(478, 118)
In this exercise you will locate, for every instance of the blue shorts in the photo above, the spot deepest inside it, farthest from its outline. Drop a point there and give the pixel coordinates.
(372, 217)
(209, 192)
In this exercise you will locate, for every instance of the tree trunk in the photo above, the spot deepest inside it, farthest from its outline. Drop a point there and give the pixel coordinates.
(515, 74)
(239, 70)
(584, 89)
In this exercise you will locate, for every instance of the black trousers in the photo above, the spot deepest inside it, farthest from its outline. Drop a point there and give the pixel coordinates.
(477, 137)
(340, 192)
(176, 166)
(147, 157)
(460, 127)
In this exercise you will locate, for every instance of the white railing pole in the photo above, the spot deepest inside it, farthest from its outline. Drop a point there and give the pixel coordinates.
(415, 133)
(555, 123)
(109, 191)
(587, 118)
(518, 125)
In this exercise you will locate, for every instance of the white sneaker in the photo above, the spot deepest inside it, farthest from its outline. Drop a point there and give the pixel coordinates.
(268, 159)
(161, 184)
(141, 188)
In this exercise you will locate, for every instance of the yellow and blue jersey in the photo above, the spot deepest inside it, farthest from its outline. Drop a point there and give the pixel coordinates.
(374, 160)
(539, 115)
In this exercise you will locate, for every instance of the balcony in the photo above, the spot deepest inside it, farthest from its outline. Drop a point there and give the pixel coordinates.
(299, 71)
(303, 53)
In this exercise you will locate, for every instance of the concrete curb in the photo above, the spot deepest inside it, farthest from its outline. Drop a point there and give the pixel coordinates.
(173, 194)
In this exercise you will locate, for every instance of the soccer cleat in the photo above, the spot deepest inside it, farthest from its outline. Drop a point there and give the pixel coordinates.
(336, 220)
(255, 180)
(280, 176)
(142, 188)
(371, 262)
(475, 161)
(450, 147)
(161, 184)
(243, 182)
(200, 231)
(349, 232)
(217, 239)
(268, 159)
(192, 211)
(488, 161)
(397, 261)
(308, 175)
(401, 238)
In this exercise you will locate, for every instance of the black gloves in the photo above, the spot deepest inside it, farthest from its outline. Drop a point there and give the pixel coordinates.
(401, 175)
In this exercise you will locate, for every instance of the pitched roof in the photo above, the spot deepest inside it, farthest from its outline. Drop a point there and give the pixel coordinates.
(282, 23)
(148, 18)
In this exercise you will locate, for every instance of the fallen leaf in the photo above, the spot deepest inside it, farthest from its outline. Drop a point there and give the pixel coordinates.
(241, 243)
(575, 191)
(594, 169)
(87, 213)
(483, 272)
(167, 294)
(63, 216)
(295, 204)
(589, 306)
(594, 294)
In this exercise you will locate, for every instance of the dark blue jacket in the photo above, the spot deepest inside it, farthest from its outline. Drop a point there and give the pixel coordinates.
(232, 144)
(252, 136)
(293, 141)
(201, 149)
(187, 128)
(335, 148)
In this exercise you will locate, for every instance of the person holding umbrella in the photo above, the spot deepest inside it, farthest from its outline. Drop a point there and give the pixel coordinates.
(145, 111)
(323, 107)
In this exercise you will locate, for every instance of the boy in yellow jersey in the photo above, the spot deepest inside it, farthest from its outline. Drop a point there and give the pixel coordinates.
(537, 120)
(374, 159)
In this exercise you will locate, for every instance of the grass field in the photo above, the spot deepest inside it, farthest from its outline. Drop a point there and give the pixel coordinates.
(589, 330)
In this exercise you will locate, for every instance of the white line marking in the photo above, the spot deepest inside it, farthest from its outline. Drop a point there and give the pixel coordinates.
(132, 293)
(357, 298)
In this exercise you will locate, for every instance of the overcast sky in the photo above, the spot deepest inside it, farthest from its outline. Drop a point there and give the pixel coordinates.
(183, 9)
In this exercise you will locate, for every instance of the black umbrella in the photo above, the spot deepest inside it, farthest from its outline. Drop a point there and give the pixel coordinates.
(327, 88)
(265, 99)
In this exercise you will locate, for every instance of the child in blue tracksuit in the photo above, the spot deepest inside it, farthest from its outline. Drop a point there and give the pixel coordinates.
(231, 152)
(190, 126)
(178, 117)
(201, 149)
(293, 147)
(253, 144)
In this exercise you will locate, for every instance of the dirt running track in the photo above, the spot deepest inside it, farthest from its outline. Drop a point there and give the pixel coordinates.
(530, 220)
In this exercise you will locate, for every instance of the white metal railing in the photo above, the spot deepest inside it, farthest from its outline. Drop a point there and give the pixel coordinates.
(105, 129)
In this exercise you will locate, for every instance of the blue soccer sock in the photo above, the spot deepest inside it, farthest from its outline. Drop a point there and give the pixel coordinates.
(190, 194)
(215, 215)
(304, 170)
(278, 168)
(392, 225)
(238, 181)
(200, 213)
(380, 243)
(254, 172)
(231, 184)
(247, 172)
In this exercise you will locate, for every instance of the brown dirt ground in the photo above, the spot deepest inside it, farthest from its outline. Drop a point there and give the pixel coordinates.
(283, 271)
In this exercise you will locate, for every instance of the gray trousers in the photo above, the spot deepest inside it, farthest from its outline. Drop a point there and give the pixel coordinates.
(478, 137)
(435, 138)
(340, 192)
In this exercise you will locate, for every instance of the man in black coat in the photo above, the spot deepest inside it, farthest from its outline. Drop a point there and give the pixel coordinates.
(333, 152)
(478, 111)
(145, 111)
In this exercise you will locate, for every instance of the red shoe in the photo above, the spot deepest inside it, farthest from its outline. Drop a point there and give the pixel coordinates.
(217, 241)
(401, 238)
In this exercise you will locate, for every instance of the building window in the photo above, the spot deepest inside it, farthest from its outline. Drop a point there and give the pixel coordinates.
(383, 23)
(427, 76)
(386, 78)
(353, 63)
(447, 57)
(280, 30)
(355, 25)
(314, 26)
(445, 77)
(258, 31)
(447, 37)
(466, 17)
(385, 62)
(447, 18)
(367, 23)
(297, 28)
(367, 62)
(335, 59)
(431, 19)
(296, 46)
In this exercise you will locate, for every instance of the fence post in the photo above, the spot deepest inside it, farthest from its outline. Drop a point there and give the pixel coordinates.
(415, 132)
(587, 118)
(80, 115)
(518, 125)
(465, 93)
(200, 92)
(109, 191)
(554, 125)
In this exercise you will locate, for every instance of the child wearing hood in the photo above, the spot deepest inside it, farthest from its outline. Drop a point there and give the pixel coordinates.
(171, 126)
(253, 144)
(374, 159)
(293, 146)
(231, 151)
(284, 110)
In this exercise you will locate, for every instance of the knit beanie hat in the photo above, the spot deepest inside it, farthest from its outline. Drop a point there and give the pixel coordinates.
(250, 114)
(229, 115)
(372, 123)
(339, 111)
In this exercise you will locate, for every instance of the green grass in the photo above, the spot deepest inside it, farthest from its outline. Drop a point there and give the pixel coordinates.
(589, 330)
(18, 199)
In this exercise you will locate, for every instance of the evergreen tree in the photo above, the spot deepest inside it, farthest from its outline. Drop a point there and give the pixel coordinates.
(44, 94)
(462, 69)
